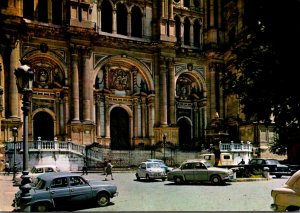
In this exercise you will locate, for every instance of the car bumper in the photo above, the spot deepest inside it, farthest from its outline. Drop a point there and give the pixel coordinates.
(156, 176)
(277, 208)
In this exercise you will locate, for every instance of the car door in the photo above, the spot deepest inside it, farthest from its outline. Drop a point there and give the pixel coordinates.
(80, 190)
(188, 171)
(142, 170)
(60, 191)
(200, 172)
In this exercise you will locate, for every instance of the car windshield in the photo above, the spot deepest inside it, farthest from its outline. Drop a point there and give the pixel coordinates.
(207, 164)
(272, 162)
(39, 184)
(153, 165)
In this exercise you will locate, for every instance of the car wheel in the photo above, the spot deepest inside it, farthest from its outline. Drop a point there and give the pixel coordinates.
(147, 177)
(178, 180)
(163, 179)
(137, 176)
(215, 179)
(103, 199)
(278, 176)
(292, 209)
(41, 207)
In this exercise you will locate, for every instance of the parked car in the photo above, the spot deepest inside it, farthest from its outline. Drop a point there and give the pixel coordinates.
(150, 171)
(57, 190)
(198, 170)
(287, 198)
(275, 168)
(161, 164)
(35, 171)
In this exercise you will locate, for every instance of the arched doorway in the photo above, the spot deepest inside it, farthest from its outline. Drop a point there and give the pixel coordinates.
(119, 129)
(43, 126)
(184, 133)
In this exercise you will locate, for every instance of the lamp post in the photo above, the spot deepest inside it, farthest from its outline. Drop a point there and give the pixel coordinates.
(15, 134)
(24, 78)
(164, 141)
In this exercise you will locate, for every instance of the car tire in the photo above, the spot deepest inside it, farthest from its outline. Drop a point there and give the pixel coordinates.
(178, 180)
(163, 179)
(137, 176)
(102, 199)
(147, 177)
(41, 207)
(278, 176)
(215, 179)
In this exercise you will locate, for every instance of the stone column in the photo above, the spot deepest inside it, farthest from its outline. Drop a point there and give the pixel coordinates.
(143, 120)
(107, 127)
(98, 116)
(99, 19)
(135, 119)
(163, 93)
(212, 94)
(75, 86)
(66, 111)
(129, 24)
(114, 22)
(172, 92)
(86, 87)
(13, 90)
(212, 14)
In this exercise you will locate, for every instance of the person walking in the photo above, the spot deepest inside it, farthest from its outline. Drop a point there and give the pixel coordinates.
(84, 168)
(104, 166)
(109, 170)
(7, 168)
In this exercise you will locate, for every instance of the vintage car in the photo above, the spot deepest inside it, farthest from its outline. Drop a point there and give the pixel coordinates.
(61, 190)
(275, 168)
(161, 164)
(287, 198)
(198, 170)
(35, 171)
(150, 171)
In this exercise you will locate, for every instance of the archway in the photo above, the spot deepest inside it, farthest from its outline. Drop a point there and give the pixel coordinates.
(119, 129)
(185, 129)
(43, 126)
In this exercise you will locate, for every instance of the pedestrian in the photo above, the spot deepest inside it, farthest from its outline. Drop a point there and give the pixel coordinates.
(109, 170)
(104, 166)
(7, 168)
(84, 168)
(242, 162)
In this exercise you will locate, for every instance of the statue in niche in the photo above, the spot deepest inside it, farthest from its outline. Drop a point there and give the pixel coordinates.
(58, 77)
(43, 76)
(183, 88)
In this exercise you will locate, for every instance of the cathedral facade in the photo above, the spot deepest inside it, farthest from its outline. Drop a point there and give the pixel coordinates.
(118, 73)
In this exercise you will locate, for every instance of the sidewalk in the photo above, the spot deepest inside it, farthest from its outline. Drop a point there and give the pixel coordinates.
(7, 192)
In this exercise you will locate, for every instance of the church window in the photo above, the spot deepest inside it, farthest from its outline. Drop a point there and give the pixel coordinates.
(187, 26)
(28, 9)
(106, 17)
(136, 22)
(43, 11)
(121, 19)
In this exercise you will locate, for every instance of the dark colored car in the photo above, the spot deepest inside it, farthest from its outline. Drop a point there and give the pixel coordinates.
(275, 168)
(58, 190)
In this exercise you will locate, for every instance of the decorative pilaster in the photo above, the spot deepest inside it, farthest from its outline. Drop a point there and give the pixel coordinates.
(13, 90)
(172, 88)
(163, 93)
(75, 85)
(86, 86)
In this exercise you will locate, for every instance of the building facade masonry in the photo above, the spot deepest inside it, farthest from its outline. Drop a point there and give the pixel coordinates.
(121, 74)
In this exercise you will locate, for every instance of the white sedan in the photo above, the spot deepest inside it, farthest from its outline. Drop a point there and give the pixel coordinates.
(36, 171)
(150, 171)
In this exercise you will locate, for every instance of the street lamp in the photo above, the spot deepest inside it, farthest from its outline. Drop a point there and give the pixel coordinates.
(15, 134)
(164, 141)
(24, 78)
